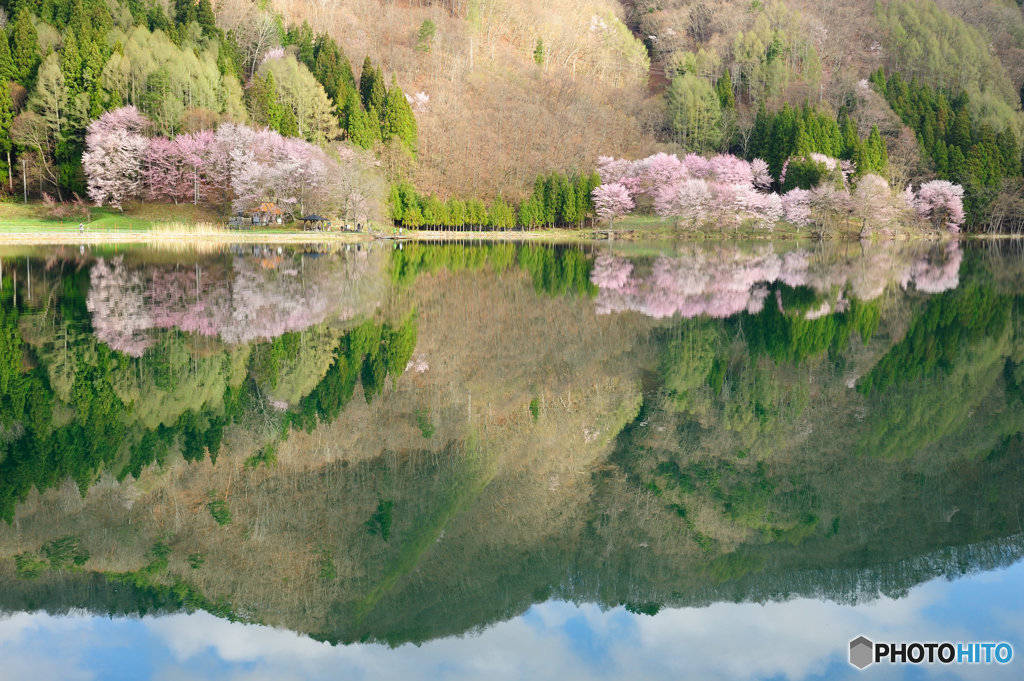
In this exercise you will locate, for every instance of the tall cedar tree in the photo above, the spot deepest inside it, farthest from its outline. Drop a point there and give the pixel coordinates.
(401, 122)
(24, 47)
(366, 79)
(7, 70)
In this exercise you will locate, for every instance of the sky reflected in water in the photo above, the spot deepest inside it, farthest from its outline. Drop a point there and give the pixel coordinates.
(799, 639)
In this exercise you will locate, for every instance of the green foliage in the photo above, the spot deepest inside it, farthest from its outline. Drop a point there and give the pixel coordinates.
(538, 52)
(380, 522)
(535, 409)
(930, 384)
(731, 567)
(555, 271)
(965, 150)
(949, 320)
(266, 457)
(787, 336)
(399, 119)
(28, 567)
(65, 552)
(325, 564)
(649, 609)
(425, 35)
(694, 114)
(423, 422)
(723, 87)
(196, 560)
(938, 50)
(220, 511)
(24, 47)
(789, 132)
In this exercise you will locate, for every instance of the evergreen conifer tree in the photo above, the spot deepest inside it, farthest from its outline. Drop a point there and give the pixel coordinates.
(724, 89)
(960, 132)
(6, 118)
(360, 130)
(24, 47)
(71, 64)
(400, 121)
(7, 72)
(538, 51)
(378, 96)
(366, 82)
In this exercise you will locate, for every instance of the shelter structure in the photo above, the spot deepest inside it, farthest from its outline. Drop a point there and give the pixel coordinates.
(316, 223)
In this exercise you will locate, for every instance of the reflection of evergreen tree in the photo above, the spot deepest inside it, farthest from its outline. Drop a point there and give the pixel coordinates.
(786, 335)
(965, 315)
(554, 271)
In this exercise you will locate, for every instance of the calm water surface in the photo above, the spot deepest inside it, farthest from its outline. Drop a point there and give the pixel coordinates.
(464, 461)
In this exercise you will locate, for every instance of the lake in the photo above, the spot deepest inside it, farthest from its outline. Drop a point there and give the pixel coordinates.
(711, 460)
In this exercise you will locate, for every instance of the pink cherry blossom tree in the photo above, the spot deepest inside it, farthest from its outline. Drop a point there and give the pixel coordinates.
(689, 200)
(612, 201)
(941, 203)
(114, 151)
(796, 205)
(761, 178)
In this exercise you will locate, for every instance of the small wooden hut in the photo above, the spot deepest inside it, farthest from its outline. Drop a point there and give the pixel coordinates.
(268, 213)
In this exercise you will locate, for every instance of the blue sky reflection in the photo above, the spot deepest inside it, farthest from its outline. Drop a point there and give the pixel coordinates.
(800, 639)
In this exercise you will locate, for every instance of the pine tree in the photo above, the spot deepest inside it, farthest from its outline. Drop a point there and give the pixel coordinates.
(92, 69)
(476, 213)
(24, 48)
(425, 36)
(757, 147)
(396, 209)
(6, 118)
(1009, 152)
(400, 121)
(724, 89)
(71, 64)
(206, 18)
(263, 106)
(7, 71)
(359, 129)
(366, 82)
(960, 132)
(288, 125)
(378, 96)
(304, 42)
(538, 52)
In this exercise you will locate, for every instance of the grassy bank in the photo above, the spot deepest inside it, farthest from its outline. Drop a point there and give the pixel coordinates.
(35, 223)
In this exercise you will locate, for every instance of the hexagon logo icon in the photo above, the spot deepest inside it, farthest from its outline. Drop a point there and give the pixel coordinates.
(861, 652)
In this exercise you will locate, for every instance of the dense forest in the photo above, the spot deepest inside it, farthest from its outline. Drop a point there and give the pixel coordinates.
(458, 111)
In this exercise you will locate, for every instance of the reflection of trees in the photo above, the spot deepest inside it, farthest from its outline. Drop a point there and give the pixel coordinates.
(251, 299)
(727, 280)
(741, 479)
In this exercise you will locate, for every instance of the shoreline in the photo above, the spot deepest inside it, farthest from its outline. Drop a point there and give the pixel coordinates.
(185, 238)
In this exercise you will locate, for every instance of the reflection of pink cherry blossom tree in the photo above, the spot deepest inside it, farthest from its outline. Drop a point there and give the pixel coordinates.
(721, 282)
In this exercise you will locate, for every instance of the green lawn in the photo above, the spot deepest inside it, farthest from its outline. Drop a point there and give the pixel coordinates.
(17, 218)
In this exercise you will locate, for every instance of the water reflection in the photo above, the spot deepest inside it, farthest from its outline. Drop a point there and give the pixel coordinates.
(405, 445)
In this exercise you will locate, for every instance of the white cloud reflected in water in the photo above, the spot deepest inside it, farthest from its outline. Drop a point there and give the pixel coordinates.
(799, 639)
